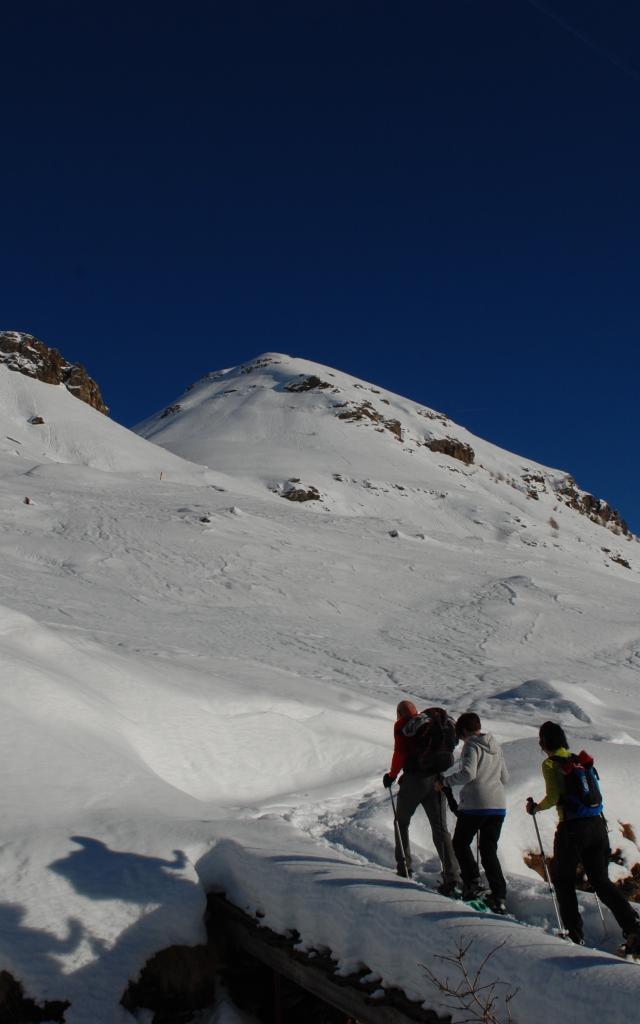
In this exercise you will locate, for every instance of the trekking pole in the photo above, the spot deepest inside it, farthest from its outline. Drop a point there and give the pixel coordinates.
(598, 904)
(563, 931)
(396, 825)
(604, 923)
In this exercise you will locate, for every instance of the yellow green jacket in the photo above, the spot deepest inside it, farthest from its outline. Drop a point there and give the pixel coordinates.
(554, 782)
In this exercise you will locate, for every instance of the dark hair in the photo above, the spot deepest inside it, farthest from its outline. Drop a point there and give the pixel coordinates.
(552, 736)
(469, 722)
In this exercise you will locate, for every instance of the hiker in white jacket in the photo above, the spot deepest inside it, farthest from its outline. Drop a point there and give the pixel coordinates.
(482, 774)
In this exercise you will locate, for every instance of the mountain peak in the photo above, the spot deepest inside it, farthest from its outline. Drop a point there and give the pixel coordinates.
(311, 433)
(28, 355)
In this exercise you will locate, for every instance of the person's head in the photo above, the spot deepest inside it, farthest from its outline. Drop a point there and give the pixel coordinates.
(552, 736)
(406, 709)
(468, 724)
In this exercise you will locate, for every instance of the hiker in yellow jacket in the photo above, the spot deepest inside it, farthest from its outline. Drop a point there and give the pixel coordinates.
(581, 838)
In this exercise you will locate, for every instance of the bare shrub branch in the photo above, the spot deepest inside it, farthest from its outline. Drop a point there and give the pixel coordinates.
(481, 1002)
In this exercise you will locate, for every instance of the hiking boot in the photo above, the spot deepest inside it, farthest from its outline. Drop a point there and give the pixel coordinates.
(451, 889)
(403, 872)
(576, 936)
(474, 890)
(496, 904)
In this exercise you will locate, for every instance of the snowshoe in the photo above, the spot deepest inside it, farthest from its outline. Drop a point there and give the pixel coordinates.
(474, 895)
(479, 904)
(476, 903)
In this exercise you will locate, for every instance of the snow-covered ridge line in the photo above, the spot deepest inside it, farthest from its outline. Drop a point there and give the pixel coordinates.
(308, 420)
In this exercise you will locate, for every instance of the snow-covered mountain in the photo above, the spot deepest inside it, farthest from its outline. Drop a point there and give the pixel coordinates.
(311, 433)
(200, 678)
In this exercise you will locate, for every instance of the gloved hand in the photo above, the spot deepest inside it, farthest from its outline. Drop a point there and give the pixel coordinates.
(531, 805)
(387, 780)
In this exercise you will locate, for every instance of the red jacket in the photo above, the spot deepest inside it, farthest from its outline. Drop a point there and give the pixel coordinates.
(403, 747)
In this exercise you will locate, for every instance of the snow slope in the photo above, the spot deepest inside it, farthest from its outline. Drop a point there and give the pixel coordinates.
(195, 663)
(74, 433)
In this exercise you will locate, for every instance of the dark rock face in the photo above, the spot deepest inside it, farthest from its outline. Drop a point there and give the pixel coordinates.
(456, 449)
(16, 1008)
(25, 354)
(365, 411)
(307, 384)
(619, 560)
(294, 493)
(171, 410)
(597, 510)
(536, 485)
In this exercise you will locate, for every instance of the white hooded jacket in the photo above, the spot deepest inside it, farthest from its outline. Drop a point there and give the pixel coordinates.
(482, 773)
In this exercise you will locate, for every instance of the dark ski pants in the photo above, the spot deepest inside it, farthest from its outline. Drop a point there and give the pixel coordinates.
(585, 841)
(417, 790)
(489, 827)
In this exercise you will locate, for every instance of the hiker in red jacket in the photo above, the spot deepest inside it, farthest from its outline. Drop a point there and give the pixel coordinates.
(417, 786)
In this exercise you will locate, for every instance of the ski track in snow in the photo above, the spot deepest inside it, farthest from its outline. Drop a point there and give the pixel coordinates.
(363, 831)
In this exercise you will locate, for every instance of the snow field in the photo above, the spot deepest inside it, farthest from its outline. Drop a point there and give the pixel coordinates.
(200, 683)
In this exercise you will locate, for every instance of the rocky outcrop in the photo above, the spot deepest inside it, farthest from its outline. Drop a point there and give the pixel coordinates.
(354, 413)
(25, 354)
(535, 484)
(619, 560)
(293, 492)
(596, 509)
(171, 410)
(456, 449)
(307, 384)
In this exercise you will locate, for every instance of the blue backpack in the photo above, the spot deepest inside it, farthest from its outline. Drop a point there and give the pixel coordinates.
(582, 797)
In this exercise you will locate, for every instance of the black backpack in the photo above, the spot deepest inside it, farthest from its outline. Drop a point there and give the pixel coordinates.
(434, 733)
(582, 797)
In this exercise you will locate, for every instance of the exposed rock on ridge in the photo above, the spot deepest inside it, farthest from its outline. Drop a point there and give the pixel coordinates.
(596, 509)
(456, 449)
(26, 354)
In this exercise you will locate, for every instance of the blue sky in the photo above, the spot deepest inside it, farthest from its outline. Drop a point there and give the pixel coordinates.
(441, 197)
